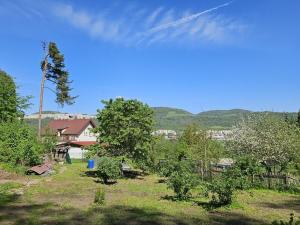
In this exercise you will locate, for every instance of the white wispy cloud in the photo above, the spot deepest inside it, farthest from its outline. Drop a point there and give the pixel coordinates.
(95, 25)
(153, 16)
(145, 26)
(183, 20)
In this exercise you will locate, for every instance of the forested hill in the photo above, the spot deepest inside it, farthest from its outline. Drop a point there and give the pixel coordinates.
(177, 119)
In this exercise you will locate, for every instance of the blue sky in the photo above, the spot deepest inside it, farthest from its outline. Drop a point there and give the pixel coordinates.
(195, 55)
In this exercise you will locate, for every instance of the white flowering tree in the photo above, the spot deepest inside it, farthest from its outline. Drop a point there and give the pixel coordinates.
(268, 140)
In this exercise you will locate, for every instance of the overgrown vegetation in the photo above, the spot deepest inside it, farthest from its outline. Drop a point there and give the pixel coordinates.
(18, 142)
(262, 148)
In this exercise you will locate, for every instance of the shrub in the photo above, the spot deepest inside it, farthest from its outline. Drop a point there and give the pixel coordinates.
(243, 173)
(221, 190)
(19, 144)
(100, 196)
(108, 169)
(166, 167)
(183, 179)
(49, 141)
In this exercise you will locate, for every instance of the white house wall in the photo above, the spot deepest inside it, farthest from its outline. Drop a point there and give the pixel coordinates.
(87, 135)
(76, 153)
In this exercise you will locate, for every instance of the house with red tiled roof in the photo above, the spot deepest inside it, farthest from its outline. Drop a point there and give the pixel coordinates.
(77, 133)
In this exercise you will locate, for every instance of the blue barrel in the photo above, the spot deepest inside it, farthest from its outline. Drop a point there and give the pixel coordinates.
(90, 164)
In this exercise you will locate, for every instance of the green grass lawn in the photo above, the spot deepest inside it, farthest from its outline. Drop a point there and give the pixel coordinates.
(67, 198)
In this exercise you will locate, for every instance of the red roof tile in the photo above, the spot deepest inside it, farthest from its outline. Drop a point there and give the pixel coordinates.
(71, 126)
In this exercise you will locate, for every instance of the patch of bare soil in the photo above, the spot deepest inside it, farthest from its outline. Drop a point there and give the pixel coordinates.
(71, 199)
(6, 177)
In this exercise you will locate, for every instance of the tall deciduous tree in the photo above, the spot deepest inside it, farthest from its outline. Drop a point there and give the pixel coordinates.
(125, 126)
(53, 68)
(8, 98)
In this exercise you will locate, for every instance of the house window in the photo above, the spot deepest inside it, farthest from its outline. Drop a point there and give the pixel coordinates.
(72, 138)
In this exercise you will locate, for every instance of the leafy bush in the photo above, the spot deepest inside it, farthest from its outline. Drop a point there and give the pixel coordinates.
(221, 190)
(49, 141)
(19, 144)
(167, 155)
(244, 172)
(223, 185)
(108, 169)
(182, 179)
(100, 196)
(166, 167)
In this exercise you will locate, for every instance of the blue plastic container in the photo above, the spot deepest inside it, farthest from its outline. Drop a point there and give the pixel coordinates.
(90, 164)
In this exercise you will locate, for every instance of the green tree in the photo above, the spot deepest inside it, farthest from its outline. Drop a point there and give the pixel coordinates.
(12, 105)
(201, 147)
(8, 98)
(53, 68)
(125, 127)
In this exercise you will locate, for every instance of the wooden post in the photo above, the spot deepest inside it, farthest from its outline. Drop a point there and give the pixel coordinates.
(45, 65)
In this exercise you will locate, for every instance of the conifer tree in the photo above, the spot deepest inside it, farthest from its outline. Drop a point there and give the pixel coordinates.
(53, 68)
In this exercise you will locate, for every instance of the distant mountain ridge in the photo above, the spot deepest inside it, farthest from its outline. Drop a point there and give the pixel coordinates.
(177, 119)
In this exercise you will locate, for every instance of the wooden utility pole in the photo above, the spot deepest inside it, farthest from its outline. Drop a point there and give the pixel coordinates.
(44, 69)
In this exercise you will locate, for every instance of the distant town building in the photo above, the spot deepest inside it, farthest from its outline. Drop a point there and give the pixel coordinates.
(220, 135)
(167, 134)
(61, 116)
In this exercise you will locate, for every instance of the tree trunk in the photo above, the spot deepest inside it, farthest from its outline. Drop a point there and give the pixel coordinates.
(42, 90)
(205, 169)
(202, 170)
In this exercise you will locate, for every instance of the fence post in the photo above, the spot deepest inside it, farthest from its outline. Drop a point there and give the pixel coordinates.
(269, 180)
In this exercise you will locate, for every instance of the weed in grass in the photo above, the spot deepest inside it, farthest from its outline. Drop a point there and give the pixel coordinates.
(100, 196)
